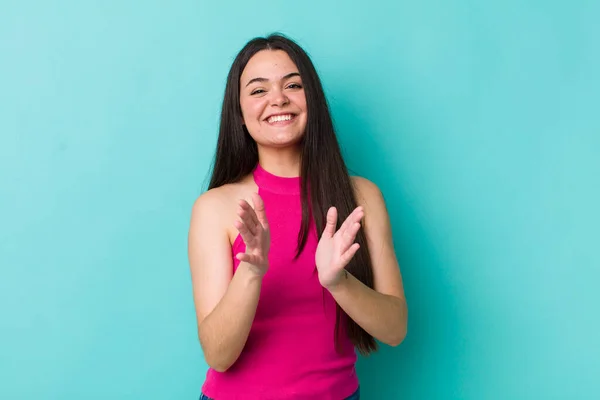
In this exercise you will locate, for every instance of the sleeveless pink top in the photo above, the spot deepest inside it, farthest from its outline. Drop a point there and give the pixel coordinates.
(290, 352)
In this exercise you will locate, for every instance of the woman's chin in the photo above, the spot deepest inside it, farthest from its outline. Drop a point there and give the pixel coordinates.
(281, 141)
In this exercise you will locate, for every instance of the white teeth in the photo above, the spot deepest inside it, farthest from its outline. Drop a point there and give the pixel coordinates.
(278, 118)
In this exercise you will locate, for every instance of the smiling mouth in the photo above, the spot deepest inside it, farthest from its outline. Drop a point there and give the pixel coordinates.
(281, 119)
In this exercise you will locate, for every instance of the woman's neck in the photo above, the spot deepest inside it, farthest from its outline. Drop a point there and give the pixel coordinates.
(280, 162)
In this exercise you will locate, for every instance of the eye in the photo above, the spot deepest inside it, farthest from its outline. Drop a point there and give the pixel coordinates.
(294, 86)
(257, 91)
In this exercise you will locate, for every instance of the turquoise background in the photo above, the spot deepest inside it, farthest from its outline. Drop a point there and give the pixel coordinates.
(478, 120)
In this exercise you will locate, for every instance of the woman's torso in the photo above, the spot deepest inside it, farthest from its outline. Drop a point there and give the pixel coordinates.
(290, 352)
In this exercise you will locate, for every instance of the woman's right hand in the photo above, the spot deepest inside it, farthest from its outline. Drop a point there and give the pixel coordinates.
(254, 229)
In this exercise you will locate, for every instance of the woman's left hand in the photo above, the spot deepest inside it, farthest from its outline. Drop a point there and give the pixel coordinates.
(336, 249)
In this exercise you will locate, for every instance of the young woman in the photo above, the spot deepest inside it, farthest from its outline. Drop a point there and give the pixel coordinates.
(291, 259)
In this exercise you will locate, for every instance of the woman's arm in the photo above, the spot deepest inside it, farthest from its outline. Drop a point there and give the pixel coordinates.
(225, 303)
(381, 312)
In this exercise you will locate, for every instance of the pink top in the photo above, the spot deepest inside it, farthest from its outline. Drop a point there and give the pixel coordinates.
(290, 352)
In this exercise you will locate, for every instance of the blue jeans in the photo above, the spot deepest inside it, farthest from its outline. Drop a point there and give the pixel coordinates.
(353, 396)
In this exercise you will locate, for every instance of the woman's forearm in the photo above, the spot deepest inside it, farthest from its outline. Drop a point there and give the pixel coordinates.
(383, 316)
(223, 333)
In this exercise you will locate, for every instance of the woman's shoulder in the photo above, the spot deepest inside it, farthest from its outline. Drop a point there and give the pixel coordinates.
(215, 209)
(364, 189)
(369, 196)
(215, 196)
(222, 196)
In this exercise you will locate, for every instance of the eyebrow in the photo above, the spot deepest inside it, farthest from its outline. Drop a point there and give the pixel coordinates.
(288, 76)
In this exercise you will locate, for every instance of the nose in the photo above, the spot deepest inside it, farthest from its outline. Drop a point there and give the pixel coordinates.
(279, 98)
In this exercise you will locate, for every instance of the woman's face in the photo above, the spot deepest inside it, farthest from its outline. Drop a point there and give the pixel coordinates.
(272, 99)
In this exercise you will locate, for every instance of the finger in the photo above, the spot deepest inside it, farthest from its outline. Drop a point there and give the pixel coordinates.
(329, 230)
(348, 236)
(347, 256)
(252, 215)
(354, 216)
(259, 208)
(247, 236)
(245, 213)
(249, 258)
(243, 257)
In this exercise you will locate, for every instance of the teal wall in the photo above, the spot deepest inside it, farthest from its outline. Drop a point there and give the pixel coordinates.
(478, 120)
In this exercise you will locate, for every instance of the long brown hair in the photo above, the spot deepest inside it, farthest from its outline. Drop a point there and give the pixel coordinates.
(322, 164)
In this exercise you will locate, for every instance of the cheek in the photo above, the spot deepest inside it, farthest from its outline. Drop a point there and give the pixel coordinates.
(300, 102)
(251, 110)
(298, 98)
